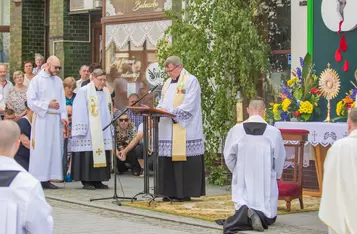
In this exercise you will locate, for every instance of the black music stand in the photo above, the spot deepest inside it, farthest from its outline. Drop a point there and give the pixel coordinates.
(115, 196)
(153, 114)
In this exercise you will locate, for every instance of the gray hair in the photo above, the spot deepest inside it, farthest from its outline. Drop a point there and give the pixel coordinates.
(98, 72)
(83, 66)
(352, 115)
(174, 60)
(39, 55)
(9, 134)
(17, 73)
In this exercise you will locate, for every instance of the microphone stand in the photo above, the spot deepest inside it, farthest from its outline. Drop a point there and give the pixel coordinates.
(115, 196)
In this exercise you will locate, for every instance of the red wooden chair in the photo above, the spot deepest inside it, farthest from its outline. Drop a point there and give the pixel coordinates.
(292, 189)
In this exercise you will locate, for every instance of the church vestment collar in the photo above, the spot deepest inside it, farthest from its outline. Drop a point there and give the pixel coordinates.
(96, 89)
(256, 118)
(175, 81)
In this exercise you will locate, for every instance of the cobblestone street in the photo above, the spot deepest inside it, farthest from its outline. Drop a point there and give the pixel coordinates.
(69, 218)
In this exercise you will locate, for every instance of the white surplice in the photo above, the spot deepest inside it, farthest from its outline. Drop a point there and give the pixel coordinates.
(338, 207)
(256, 162)
(188, 115)
(23, 205)
(46, 157)
(81, 136)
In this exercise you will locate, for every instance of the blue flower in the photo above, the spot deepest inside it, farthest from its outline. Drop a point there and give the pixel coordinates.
(284, 115)
(353, 95)
(286, 92)
(298, 73)
(301, 62)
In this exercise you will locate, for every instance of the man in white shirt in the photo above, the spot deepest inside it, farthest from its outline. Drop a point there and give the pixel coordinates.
(84, 76)
(254, 152)
(338, 200)
(23, 208)
(5, 85)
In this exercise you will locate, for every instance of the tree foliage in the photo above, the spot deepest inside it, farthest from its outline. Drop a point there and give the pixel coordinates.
(225, 45)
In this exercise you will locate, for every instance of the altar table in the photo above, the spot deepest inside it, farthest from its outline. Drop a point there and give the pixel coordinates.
(321, 137)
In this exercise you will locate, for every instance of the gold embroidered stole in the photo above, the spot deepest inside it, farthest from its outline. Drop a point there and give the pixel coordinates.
(178, 132)
(95, 124)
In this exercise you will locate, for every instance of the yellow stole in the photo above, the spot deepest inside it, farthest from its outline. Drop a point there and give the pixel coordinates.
(178, 132)
(95, 124)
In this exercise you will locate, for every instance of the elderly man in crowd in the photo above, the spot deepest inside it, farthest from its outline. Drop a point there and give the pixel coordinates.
(84, 77)
(5, 86)
(39, 60)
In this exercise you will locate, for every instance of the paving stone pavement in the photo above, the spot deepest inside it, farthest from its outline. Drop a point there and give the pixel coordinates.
(73, 213)
(69, 218)
(78, 219)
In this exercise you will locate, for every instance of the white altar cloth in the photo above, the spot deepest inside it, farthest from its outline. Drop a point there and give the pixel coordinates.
(320, 133)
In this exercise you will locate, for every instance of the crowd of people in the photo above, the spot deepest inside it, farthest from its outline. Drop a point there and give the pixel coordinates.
(16, 99)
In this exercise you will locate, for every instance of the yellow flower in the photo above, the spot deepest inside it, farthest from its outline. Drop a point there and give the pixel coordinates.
(294, 79)
(290, 82)
(275, 108)
(306, 107)
(353, 104)
(340, 108)
(285, 105)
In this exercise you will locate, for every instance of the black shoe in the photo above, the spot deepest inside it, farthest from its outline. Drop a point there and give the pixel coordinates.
(184, 199)
(88, 186)
(256, 222)
(100, 185)
(48, 185)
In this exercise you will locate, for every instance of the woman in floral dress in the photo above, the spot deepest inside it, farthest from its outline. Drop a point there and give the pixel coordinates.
(17, 95)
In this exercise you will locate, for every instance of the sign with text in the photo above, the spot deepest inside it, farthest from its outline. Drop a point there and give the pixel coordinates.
(130, 7)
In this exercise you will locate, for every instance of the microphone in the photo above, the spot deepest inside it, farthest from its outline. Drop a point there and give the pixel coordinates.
(153, 88)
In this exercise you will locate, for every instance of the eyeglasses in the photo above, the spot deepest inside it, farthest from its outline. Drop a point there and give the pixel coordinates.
(57, 67)
(168, 71)
(101, 80)
(123, 120)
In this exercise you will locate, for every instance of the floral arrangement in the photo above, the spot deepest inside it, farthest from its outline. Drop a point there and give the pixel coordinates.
(346, 103)
(299, 96)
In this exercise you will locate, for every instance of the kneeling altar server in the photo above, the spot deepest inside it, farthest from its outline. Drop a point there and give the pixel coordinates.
(254, 152)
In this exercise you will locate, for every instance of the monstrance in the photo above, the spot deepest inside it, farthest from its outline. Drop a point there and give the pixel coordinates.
(329, 85)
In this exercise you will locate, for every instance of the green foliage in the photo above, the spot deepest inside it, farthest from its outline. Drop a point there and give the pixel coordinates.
(219, 43)
(218, 176)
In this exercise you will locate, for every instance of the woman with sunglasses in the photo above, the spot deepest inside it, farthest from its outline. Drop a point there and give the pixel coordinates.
(125, 133)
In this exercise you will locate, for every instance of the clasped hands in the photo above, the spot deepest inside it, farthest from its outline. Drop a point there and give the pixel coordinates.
(121, 155)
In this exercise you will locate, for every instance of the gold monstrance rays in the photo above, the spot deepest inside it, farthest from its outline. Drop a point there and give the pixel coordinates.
(329, 85)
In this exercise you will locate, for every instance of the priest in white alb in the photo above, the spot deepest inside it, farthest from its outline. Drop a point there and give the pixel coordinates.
(338, 207)
(181, 148)
(91, 147)
(45, 96)
(254, 152)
